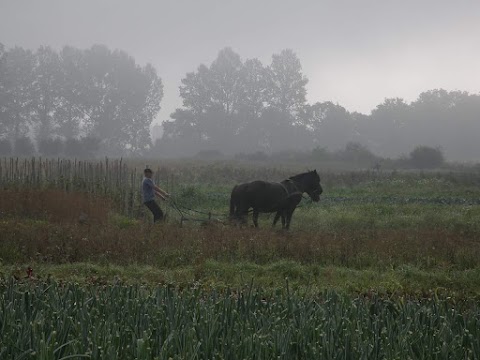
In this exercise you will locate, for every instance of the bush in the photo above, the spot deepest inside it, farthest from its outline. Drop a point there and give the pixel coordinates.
(356, 153)
(425, 157)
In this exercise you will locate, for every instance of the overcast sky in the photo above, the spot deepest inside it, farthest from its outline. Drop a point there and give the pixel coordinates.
(354, 52)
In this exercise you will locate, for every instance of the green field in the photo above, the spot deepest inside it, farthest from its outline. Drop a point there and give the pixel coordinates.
(382, 256)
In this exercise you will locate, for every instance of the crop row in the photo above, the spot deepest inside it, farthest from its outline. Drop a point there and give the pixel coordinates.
(53, 321)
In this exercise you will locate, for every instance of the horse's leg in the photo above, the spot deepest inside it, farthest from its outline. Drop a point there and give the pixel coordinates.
(275, 219)
(241, 213)
(283, 220)
(255, 217)
(289, 214)
(244, 216)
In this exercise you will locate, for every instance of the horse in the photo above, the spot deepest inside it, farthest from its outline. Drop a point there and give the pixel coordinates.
(280, 197)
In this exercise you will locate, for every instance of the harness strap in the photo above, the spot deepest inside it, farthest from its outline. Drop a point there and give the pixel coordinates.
(296, 187)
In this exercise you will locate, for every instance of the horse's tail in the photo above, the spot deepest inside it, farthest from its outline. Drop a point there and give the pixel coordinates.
(232, 202)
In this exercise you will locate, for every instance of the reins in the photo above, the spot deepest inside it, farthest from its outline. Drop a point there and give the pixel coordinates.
(182, 211)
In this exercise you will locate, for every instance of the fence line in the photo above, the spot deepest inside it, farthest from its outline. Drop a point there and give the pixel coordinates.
(112, 178)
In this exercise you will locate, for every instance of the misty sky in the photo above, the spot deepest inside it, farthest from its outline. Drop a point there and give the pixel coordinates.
(355, 53)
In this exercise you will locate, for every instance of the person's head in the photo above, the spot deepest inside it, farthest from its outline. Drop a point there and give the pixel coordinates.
(148, 172)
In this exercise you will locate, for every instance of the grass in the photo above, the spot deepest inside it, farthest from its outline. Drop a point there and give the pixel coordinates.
(343, 243)
(50, 320)
(432, 214)
(385, 266)
(361, 229)
(396, 281)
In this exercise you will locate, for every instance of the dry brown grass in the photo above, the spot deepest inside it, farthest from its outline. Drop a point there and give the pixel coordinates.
(54, 206)
(54, 226)
(170, 245)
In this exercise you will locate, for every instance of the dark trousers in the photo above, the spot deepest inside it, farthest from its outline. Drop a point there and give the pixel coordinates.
(155, 209)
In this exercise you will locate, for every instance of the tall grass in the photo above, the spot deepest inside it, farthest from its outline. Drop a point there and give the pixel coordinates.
(57, 321)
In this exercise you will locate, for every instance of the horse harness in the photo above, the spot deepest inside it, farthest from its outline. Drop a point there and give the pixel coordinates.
(293, 193)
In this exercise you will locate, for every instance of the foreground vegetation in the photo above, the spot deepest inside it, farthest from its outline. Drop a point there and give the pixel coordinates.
(410, 232)
(385, 266)
(51, 320)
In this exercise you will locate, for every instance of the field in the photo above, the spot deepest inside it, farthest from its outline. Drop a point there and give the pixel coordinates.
(385, 266)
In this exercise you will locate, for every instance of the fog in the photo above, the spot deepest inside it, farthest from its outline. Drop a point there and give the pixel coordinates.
(389, 76)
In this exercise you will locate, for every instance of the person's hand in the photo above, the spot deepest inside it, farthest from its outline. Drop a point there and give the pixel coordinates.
(160, 195)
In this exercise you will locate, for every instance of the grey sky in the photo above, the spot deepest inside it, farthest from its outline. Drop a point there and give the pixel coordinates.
(354, 52)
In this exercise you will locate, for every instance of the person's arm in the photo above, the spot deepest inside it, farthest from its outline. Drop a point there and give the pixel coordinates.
(160, 192)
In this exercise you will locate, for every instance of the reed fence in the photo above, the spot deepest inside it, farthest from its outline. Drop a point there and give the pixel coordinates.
(107, 177)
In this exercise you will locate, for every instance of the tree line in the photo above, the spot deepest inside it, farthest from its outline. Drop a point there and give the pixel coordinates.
(99, 101)
(76, 102)
(236, 106)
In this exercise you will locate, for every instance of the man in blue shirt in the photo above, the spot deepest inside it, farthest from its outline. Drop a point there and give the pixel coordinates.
(149, 190)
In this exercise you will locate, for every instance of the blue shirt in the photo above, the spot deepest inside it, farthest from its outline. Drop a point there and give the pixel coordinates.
(147, 190)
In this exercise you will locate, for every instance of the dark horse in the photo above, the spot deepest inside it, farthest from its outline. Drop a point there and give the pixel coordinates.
(280, 197)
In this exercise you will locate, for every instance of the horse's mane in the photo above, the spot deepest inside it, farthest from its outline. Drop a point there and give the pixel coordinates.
(299, 176)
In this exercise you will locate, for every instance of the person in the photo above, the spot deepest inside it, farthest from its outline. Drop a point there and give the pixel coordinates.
(149, 190)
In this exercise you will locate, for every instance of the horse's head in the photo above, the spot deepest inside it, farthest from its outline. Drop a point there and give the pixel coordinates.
(310, 183)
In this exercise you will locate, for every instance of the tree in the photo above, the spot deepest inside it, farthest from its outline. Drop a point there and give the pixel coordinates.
(442, 118)
(225, 80)
(45, 92)
(330, 125)
(357, 153)
(425, 157)
(214, 88)
(3, 91)
(253, 97)
(122, 100)
(465, 125)
(141, 106)
(385, 130)
(73, 108)
(241, 105)
(286, 83)
(16, 82)
(279, 126)
(212, 99)
(253, 80)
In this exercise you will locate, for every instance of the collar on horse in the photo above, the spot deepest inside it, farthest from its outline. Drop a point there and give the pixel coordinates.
(298, 191)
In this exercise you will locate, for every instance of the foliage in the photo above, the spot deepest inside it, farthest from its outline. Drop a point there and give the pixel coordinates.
(366, 218)
(231, 103)
(357, 153)
(425, 157)
(78, 93)
(126, 322)
(263, 108)
(369, 269)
